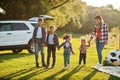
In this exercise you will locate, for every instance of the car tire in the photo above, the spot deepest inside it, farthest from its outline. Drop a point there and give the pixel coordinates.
(16, 50)
(31, 49)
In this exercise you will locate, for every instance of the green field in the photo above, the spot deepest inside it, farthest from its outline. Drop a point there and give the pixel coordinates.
(22, 66)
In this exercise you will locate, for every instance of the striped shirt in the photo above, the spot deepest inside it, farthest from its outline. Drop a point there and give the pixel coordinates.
(104, 33)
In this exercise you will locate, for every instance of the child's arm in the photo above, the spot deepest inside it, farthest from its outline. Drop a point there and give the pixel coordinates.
(72, 50)
(88, 45)
(60, 46)
(57, 43)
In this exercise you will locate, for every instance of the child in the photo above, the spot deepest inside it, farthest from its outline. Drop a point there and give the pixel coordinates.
(67, 49)
(52, 43)
(83, 49)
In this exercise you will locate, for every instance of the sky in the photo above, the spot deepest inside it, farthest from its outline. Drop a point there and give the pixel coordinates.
(98, 3)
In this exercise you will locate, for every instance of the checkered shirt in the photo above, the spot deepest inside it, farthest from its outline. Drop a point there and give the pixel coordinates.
(104, 33)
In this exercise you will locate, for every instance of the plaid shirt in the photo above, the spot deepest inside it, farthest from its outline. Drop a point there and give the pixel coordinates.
(104, 33)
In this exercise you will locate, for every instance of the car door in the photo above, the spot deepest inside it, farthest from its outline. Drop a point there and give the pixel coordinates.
(6, 37)
(21, 33)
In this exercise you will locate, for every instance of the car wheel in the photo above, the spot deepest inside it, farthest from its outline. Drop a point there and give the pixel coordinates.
(16, 50)
(31, 48)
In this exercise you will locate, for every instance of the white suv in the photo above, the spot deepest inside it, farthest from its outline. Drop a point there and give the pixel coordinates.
(16, 35)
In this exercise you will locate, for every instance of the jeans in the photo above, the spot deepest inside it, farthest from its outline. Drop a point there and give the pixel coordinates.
(66, 57)
(82, 56)
(39, 47)
(99, 47)
(51, 49)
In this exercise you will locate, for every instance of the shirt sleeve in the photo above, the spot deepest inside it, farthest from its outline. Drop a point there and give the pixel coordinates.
(93, 33)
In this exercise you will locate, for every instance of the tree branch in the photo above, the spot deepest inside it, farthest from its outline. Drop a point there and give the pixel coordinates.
(60, 4)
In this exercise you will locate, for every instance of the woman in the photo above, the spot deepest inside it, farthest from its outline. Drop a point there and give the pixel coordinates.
(100, 31)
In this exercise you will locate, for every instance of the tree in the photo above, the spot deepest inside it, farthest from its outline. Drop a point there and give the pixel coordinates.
(24, 9)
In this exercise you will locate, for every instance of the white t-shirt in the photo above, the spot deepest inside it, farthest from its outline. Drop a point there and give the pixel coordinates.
(50, 39)
(67, 45)
(39, 33)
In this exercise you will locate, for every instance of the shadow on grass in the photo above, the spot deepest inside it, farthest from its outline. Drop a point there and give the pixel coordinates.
(75, 70)
(54, 75)
(26, 73)
(113, 78)
(9, 56)
(89, 76)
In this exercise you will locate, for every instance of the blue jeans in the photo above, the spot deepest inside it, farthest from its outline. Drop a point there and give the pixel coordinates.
(39, 47)
(99, 47)
(66, 57)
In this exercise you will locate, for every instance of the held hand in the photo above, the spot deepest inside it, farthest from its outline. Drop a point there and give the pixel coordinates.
(89, 41)
(73, 53)
(43, 44)
(58, 48)
(33, 44)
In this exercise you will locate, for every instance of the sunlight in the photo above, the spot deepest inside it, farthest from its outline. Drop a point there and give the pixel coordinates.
(98, 3)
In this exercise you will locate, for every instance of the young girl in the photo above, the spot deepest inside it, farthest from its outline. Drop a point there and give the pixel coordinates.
(52, 42)
(83, 49)
(67, 49)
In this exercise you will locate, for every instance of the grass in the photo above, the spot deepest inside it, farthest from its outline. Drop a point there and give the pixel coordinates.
(22, 66)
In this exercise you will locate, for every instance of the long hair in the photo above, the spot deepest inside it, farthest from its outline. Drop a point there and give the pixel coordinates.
(99, 17)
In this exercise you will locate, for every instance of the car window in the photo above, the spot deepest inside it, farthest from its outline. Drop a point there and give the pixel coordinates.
(34, 24)
(19, 26)
(5, 27)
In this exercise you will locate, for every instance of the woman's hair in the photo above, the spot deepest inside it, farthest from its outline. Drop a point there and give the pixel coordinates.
(66, 36)
(52, 26)
(83, 39)
(99, 17)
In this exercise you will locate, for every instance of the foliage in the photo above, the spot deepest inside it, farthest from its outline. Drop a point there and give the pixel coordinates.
(64, 11)
(115, 31)
(24, 9)
(109, 14)
(74, 13)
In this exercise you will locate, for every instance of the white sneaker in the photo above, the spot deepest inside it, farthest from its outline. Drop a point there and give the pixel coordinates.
(65, 68)
(68, 66)
(99, 65)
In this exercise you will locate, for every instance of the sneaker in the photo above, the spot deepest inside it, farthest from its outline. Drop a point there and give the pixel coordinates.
(44, 65)
(52, 67)
(37, 66)
(65, 68)
(99, 65)
(68, 66)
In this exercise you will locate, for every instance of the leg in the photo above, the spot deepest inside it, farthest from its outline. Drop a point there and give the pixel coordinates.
(97, 44)
(80, 58)
(36, 54)
(84, 58)
(101, 46)
(53, 55)
(49, 55)
(65, 64)
(97, 48)
(68, 54)
(42, 55)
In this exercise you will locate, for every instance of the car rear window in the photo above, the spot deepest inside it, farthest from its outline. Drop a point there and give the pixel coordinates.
(34, 24)
(19, 26)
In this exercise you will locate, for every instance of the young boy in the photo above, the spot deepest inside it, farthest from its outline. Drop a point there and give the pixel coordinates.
(83, 49)
(52, 42)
